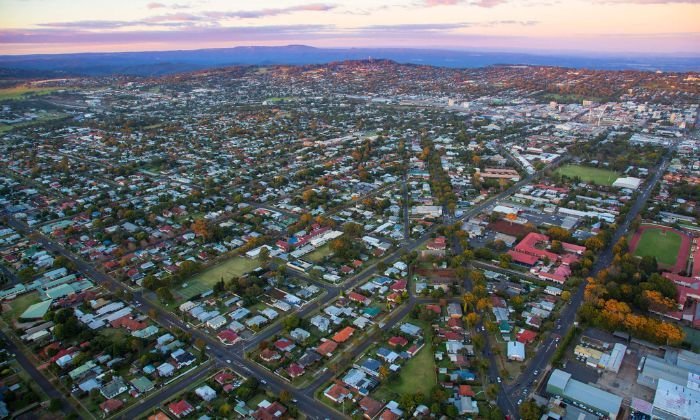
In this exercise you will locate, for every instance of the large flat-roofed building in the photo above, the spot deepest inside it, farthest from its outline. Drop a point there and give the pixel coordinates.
(629, 182)
(583, 395)
(675, 402)
(679, 367)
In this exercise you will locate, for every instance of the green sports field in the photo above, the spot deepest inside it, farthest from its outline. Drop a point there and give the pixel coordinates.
(587, 174)
(236, 266)
(664, 245)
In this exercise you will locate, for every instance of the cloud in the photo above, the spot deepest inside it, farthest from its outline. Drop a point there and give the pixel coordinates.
(414, 28)
(187, 34)
(157, 5)
(648, 1)
(170, 20)
(255, 14)
(480, 3)
(182, 19)
(88, 24)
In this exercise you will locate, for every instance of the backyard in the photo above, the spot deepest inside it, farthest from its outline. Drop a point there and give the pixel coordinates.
(417, 375)
(319, 254)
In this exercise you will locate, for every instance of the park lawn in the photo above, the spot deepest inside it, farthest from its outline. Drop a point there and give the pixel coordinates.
(319, 254)
(233, 267)
(570, 98)
(664, 247)
(20, 92)
(417, 375)
(588, 174)
(20, 304)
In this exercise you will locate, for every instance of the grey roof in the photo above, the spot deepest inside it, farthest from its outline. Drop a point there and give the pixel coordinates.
(585, 394)
(593, 397)
(559, 378)
(656, 368)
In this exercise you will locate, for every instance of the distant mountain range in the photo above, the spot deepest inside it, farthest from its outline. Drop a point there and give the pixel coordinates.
(166, 62)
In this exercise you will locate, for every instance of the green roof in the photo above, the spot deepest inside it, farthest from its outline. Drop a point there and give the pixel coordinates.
(504, 325)
(59, 291)
(142, 383)
(36, 311)
(372, 312)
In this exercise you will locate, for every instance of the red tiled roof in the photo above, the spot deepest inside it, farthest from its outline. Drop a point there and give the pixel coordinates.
(466, 391)
(228, 336)
(111, 405)
(180, 408)
(327, 347)
(519, 257)
(343, 335)
(526, 336)
(397, 341)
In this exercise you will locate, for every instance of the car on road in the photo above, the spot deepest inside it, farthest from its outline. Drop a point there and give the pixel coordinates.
(228, 361)
(294, 400)
(264, 382)
(498, 379)
(536, 372)
(520, 401)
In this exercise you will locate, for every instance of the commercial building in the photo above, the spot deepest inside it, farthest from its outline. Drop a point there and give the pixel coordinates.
(679, 367)
(627, 182)
(583, 395)
(673, 401)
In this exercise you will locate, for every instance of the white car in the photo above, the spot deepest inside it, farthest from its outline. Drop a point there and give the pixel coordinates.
(520, 401)
(228, 361)
(498, 379)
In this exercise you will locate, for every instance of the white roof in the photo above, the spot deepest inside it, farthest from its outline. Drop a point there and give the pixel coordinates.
(678, 400)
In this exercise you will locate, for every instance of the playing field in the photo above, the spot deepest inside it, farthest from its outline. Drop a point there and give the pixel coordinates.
(662, 244)
(233, 267)
(587, 174)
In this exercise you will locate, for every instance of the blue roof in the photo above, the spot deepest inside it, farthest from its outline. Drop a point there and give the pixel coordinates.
(383, 351)
(382, 280)
(465, 374)
(371, 364)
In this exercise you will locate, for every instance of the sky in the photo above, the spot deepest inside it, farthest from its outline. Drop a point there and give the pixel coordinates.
(543, 26)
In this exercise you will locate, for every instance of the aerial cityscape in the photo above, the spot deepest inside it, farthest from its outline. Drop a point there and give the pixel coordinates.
(439, 209)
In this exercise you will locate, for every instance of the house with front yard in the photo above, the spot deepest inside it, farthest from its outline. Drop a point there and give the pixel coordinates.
(299, 335)
(115, 387)
(206, 393)
(337, 393)
(516, 351)
(180, 409)
(327, 348)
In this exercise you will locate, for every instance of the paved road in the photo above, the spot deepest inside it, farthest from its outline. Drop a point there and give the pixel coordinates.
(236, 354)
(36, 376)
(568, 315)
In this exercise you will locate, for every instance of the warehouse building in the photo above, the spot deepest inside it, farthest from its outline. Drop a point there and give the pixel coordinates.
(675, 402)
(678, 367)
(583, 395)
